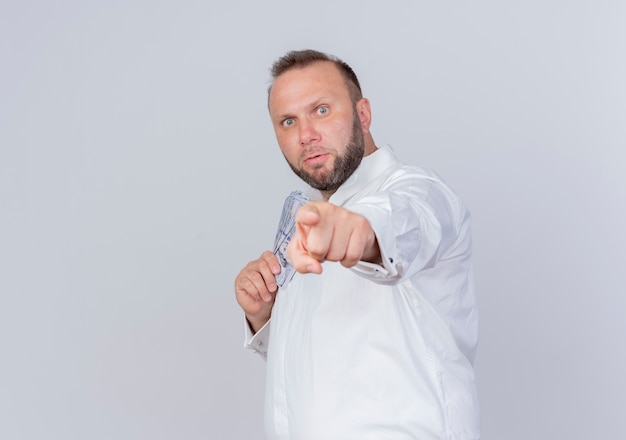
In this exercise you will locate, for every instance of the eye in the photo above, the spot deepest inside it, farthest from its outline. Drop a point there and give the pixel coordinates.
(322, 110)
(288, 122)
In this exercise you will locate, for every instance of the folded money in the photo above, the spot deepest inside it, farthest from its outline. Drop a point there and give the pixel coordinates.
(284, 234)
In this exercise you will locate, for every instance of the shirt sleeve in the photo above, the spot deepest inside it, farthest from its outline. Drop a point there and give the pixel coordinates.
(416, 221)
(257, 341)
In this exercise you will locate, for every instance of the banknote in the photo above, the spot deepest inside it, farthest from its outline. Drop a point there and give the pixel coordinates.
(284, 234)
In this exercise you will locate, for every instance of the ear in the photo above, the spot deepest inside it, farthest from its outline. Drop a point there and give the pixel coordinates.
(364, 112)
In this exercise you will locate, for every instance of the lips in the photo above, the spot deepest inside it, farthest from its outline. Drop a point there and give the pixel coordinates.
(316, 159)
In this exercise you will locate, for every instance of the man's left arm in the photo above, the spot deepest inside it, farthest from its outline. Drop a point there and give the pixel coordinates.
(385, 236)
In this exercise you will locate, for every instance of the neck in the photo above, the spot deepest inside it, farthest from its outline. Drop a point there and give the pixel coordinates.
(370, 146)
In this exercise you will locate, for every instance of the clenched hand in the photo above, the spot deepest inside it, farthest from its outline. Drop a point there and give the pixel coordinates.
(255, 289)
(328, 232)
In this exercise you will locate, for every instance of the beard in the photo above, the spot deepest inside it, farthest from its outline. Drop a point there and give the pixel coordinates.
(344, 165)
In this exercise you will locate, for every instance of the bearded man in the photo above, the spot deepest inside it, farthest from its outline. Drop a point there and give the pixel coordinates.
(375, 336)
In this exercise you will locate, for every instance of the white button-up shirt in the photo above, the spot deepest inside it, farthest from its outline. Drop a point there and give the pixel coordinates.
(380, 351)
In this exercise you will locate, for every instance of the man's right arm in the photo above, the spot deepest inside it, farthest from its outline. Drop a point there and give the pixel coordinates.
(255, 289)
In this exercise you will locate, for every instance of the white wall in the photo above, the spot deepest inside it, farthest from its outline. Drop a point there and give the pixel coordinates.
(138, 173)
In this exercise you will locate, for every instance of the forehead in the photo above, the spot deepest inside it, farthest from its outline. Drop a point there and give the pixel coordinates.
(321, 78)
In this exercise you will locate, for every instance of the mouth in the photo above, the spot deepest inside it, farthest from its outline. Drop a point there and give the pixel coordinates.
(316, 159)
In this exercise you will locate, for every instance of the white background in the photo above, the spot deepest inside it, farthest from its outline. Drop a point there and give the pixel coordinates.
(139, 173)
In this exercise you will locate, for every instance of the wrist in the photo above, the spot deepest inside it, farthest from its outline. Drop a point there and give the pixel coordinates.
(256, 323)
(372, 254)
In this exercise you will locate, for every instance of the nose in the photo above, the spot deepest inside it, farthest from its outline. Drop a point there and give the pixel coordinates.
(308, 133)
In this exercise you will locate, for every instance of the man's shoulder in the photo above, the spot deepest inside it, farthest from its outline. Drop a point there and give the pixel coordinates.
(397, 167)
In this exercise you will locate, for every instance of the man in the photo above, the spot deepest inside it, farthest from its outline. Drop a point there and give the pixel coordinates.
(374, 337)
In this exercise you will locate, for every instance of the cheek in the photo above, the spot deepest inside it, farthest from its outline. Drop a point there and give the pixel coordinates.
(340, 132)
(289, 150)
(287, 138)
(289, 142)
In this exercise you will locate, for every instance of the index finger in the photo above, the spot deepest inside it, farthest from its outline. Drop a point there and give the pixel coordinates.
(308, 214)
(272, 261)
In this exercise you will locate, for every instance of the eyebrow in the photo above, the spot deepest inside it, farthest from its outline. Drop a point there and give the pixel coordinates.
(313, 104)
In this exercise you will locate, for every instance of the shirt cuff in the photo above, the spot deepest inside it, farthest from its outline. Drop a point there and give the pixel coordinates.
(257, 341)
(375, 273)
(390, 268)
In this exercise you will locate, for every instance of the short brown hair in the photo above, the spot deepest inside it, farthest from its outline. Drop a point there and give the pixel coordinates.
(298, 59)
